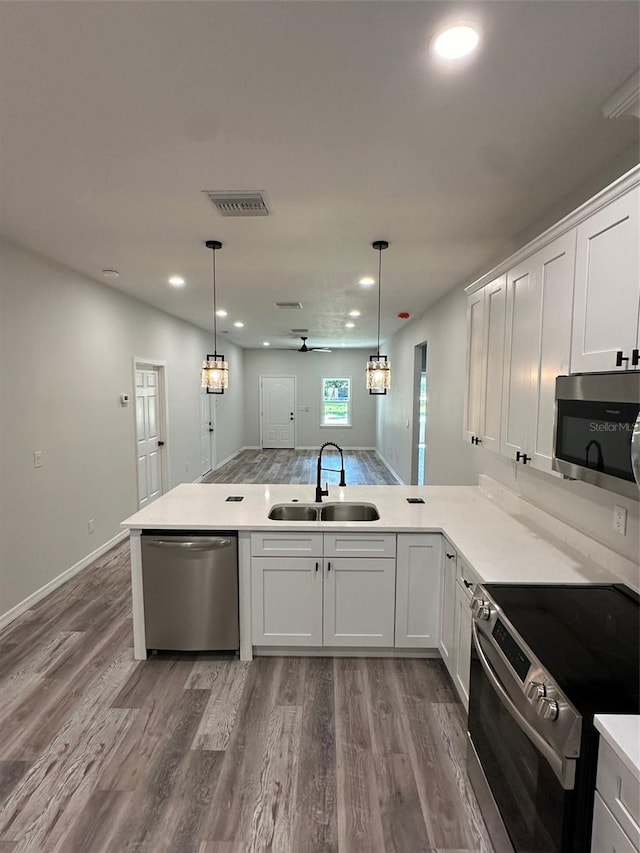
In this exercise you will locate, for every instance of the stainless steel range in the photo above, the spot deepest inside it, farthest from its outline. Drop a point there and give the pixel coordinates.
(545, 659)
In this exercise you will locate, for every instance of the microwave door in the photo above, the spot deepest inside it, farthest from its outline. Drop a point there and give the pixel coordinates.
(635, 451)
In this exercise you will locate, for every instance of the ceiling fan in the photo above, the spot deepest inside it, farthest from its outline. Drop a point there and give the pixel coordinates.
(305, 348)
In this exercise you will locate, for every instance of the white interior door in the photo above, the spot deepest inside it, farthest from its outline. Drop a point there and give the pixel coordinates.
(278, 395)
(207, 432)
(149, 432)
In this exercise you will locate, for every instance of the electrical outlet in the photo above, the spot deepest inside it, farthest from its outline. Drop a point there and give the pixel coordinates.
(37, 459)
(91, 526)
(186, 467)
(620, 520)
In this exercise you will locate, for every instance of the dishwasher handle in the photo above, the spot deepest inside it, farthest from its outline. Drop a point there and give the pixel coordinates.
(199, 544)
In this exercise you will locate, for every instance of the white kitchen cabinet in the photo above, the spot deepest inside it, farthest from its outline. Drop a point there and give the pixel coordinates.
(447, 603)
(359, 601)
(485, 347)
(537, 349)
(418, 568)
(616, 816)
(286, 601)
(606, 309)
(466, 579)
(325, 599)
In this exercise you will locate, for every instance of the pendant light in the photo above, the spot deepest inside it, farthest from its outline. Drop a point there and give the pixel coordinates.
(378, 366)
(215, 370)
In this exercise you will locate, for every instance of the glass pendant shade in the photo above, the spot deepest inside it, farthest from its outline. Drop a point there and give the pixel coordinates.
(215, 374)
(378, 374)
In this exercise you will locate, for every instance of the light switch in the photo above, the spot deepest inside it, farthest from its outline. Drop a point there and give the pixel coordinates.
(37, 459)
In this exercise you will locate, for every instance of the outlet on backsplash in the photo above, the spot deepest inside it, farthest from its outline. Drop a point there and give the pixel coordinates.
(620, 520)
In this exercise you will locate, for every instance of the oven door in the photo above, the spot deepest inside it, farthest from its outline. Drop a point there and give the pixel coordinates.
(524, 788)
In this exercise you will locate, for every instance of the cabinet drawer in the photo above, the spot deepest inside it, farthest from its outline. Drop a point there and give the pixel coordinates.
(620, 790)
(465, 574)
(607, 832)
(286, 544)
(359, 545)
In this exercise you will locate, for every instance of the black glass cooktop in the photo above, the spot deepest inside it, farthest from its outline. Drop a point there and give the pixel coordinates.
(586, 636)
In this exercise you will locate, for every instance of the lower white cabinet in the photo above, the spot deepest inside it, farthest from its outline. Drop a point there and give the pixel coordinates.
(417, 611)
(323, 599)
(462, 644)
(358, 601)
(286, 601)
(447, 604)
(616, 815)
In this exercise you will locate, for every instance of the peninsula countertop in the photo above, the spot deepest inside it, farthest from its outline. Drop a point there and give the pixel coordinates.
(499, 546)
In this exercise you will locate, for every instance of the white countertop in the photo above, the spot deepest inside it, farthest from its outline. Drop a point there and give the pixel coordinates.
(500, 547)
(622, 733)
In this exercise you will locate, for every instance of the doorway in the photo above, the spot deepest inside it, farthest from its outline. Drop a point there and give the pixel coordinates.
(207, 432)
(151, 430)
(419, 431)
(277, 411)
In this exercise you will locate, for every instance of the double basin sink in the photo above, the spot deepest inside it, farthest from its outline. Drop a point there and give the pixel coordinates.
(342, 511)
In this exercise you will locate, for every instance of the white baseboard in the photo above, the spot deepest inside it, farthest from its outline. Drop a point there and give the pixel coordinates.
(229, 458)
(395, 475)
(343, 446)
(41, 593)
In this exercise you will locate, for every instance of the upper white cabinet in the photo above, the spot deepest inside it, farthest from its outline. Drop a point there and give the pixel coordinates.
(537, 349)
(607, 288)
(418, 590)
(485, 346)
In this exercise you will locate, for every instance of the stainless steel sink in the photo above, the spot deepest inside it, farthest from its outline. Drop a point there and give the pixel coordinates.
(349, 512)
(324, 512)
(294, 512)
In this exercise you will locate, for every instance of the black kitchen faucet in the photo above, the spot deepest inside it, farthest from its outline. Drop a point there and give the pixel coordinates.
(319, 490)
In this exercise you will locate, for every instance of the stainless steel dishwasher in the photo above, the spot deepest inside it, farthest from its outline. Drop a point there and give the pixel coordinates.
(190, 590)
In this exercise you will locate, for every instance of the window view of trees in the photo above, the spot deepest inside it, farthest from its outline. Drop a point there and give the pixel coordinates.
(336, 402)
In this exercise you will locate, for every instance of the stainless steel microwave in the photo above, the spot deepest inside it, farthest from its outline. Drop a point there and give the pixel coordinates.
(597, 430)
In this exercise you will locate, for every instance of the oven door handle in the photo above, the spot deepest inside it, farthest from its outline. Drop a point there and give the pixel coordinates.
(563, 769)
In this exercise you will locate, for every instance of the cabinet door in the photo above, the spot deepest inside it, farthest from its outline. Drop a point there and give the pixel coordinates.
(607, 286)
(286, 600)
(418, 590)
(475, 340)
(495, 298)
(608, 835)
(359, 601)
(554, 274)
(462, 645)
(447, 604)
(521, 344)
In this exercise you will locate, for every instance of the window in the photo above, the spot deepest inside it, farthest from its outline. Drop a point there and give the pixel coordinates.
(336, 402)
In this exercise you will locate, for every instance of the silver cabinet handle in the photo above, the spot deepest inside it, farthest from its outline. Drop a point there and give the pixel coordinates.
(190, 545)
(564, 770)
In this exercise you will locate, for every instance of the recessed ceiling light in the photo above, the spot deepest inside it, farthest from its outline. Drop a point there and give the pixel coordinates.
(266, 344)
(456, 42)
(221, 313)
(367, 281)
(354, 313)
(349, 325)
(110, 273)
(238, 325)
(176, 281)
(343, 345)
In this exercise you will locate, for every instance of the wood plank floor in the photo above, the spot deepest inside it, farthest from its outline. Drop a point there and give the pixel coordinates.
(196, 754)
(362, 468)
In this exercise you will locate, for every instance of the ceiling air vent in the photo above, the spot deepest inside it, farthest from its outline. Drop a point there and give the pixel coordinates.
(230, 203)
(299, 331)
(288, 304)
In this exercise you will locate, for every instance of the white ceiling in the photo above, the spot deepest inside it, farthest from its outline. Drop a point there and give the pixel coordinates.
(116, 115)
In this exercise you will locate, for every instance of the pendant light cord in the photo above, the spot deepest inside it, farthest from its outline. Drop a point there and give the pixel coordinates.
(215, 325)
(379, 296)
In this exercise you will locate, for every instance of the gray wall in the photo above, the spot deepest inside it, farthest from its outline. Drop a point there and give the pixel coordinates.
(67, 346)
(309, 368)
(448, 459)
